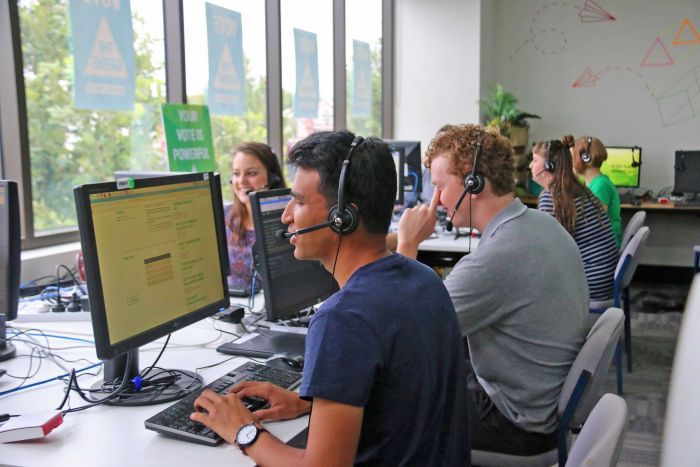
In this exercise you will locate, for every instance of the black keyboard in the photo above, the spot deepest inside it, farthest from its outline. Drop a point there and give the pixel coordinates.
(175, 420)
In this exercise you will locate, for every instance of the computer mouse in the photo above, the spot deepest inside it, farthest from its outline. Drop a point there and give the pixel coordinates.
(286, 362)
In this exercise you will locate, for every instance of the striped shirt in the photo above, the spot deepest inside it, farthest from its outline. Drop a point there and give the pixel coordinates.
(596, 243)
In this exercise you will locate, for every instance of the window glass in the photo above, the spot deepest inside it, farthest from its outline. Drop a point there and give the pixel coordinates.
(363, 26)
(307, 68)
(237, 99)
(73, 138)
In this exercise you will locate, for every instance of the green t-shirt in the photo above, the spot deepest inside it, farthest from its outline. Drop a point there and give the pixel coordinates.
(605, 191)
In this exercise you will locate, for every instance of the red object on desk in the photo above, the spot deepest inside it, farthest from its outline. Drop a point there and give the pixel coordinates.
(663, 200)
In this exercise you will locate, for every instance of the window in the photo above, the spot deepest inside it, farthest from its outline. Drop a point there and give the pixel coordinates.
(307, 68)
(363, 43)
(237, 98)
(83, 82)
(82, 128)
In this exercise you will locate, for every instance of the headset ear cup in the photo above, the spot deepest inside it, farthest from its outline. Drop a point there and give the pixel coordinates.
(474, 183)
(585, 157)
(549, 166)
(350, 219)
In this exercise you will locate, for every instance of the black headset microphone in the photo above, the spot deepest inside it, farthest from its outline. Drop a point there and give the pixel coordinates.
(473, 183)
(342, 218)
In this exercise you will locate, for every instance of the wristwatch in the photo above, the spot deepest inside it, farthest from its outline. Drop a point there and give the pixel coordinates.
(247, 435)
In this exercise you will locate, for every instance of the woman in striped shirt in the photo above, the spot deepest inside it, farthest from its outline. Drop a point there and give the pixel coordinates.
(579, 212)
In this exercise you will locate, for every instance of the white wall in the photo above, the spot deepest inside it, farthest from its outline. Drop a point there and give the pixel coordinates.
(543, 47)
(436, 66)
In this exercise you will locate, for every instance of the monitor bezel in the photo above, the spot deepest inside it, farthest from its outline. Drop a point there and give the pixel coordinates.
(694, 153)
(104, 347)
(261, 263)
(400, 174)
(410, 147)
(639, 166)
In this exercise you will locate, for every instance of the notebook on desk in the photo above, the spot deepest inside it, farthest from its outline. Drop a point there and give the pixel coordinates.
(266, 343)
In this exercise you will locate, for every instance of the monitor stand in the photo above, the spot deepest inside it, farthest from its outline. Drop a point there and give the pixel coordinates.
(7, 350)
(159, 386)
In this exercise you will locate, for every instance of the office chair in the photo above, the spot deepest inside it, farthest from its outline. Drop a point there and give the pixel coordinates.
(680, 446)
(600, 441)
(580, 392)
(626, 267)
(635, 223)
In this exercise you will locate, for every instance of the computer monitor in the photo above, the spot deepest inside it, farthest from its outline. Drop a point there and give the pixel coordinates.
(686, 172)
(156, 261)
(290, 285)
(623, 165)
(10, 262)
(140, 174)
(413, 169)
(397, 153)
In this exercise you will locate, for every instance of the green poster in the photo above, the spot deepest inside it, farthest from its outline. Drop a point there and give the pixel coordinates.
(188, 135)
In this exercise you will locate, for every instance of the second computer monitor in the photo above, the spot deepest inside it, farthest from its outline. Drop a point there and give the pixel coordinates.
(623, 165)
(290, 285)
(412, 168)
(686, 173)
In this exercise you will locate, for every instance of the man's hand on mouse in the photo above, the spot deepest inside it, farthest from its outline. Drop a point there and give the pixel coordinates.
(284, 405)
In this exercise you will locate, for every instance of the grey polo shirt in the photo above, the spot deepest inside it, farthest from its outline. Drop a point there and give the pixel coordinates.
(522, 301)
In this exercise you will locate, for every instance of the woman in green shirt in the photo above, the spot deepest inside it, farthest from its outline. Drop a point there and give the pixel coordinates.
(588, 154)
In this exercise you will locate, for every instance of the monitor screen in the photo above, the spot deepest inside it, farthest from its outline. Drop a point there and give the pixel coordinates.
(397, 153)
(686, 172)
(155, 257)
(290, 285)
(623, 166)
(413, 169)
(10, 262)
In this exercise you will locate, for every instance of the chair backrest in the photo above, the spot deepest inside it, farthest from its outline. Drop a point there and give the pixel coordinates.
(633, 250)
(600, 440)
(593, 360)
(635, 223)
(680, 446)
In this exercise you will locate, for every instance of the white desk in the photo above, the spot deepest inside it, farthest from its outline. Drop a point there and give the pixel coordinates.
(115, 436)
(446, 242)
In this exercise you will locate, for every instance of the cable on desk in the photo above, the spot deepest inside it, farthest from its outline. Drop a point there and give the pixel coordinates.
(148, 369)
(38, 383)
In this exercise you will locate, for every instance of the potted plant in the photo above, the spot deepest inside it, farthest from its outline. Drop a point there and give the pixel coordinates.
(501, 111)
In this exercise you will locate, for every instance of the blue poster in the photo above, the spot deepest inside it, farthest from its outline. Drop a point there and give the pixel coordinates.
(226, 94)
(306, 95)
(103, 54)
(361, 80)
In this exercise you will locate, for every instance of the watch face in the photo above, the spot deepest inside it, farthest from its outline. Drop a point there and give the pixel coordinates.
(246, 434)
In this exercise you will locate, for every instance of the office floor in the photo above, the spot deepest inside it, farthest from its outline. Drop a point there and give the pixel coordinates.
(646, 388)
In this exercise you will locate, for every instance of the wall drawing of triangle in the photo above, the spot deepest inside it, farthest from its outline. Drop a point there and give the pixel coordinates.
(680, 101)
(226, 75)
(105, 59)
(591, 12)
(657, 55)
(687, 34)
(586, 80)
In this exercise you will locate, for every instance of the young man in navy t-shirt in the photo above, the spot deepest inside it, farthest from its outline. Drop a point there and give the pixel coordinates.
(384, 376)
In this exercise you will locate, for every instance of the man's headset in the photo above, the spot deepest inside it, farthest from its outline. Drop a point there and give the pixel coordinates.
(585, 154)
(473, 182)
(343, 218)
